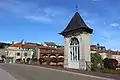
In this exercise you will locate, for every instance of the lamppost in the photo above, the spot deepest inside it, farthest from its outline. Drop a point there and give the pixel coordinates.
(6, 55)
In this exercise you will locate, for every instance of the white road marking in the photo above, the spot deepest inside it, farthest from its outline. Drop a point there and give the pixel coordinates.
(69, 72)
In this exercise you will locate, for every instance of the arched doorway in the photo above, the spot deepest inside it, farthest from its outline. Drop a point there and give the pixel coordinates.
(74, 49)
(74, 53)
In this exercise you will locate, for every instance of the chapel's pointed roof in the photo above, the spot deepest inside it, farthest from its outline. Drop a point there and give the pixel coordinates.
(76, 23)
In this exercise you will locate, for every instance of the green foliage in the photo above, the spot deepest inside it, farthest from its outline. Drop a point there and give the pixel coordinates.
(96, 60)
(2, 45)
(3, 56)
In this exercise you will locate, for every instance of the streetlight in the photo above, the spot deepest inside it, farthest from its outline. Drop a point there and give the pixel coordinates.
(6, 54)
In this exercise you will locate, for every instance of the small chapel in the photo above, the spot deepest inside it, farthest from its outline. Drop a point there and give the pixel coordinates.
(77, 44)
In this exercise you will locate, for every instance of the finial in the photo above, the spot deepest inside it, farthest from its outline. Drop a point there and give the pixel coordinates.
(76, 8)
(22, 40)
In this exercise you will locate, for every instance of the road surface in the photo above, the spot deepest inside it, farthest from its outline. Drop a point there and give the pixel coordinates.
(28, 72)
(5, 75)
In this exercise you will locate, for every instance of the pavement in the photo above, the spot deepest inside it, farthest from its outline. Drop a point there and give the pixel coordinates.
(29, 72)
(95, 73)
(5, 75)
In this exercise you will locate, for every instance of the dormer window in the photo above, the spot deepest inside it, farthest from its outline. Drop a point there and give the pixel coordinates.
(55, 47)
(25, 54)
(52, 50)
(18, 54)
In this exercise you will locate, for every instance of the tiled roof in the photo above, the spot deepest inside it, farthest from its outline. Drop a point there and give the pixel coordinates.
(115, 53)
(50, 43)
(93, 46)
(19, 44)
(36, 44)
(29, 46)
(75, 24)
(101, 51)
(25, 45)
(44, 47)
(107, 51)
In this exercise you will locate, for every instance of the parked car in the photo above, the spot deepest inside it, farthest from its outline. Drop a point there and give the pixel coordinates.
(110, 63)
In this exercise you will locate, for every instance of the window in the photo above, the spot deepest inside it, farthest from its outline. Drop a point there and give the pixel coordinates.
(74, 49)
(52, 50)
(18, 54)
(25, 54)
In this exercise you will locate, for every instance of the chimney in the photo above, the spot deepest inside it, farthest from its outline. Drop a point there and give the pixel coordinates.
(23, 42)
(98, 44)
(12, 42)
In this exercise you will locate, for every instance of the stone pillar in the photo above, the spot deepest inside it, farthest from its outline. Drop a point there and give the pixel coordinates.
(86, 50)
(88, 65)
(82, 65)
(66, 51)
(38, 53)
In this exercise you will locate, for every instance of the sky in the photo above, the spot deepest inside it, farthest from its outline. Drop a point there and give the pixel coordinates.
(42, 20)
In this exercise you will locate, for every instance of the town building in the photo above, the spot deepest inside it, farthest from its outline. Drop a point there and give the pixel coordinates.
(49, 53)
(98, 49)
(116, 55)
(20, 51)
(52, 54)
(3, 47)
(50, 44)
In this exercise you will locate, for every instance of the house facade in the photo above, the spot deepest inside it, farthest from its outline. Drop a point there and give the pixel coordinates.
(18, 51)
(98, 49)
(53, 56)
(50, 44)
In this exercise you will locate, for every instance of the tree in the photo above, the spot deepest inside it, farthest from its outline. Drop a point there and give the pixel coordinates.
(2, 44)
(28, 60)
(3, 57)
(96, 60)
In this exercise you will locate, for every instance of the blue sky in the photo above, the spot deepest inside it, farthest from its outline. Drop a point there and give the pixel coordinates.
(42, 20)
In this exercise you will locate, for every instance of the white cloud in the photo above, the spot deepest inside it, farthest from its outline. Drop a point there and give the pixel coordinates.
(108, 42)
(6, 41)
(108, 36)
(39, 18)
(104, 22)
(30, 10)
(112, 44)
(114, 24)
(104, 36)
